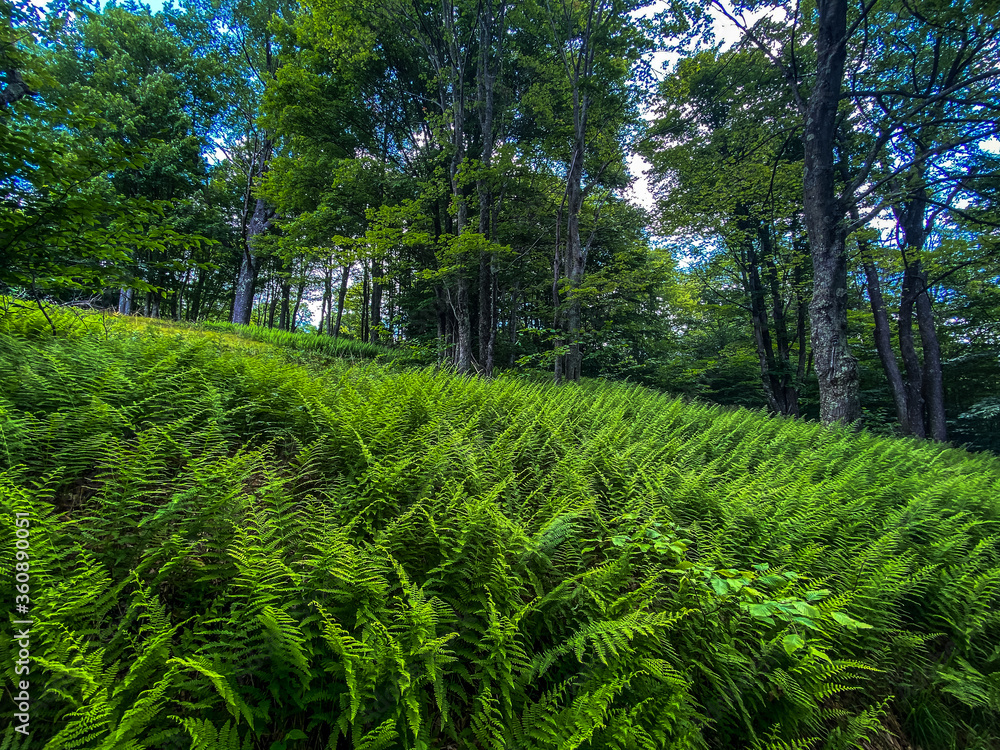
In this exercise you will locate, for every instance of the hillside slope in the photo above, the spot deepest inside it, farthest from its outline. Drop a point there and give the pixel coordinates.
(238, 545)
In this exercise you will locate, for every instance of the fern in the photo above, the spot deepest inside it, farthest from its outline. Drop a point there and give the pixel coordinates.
(240, 540)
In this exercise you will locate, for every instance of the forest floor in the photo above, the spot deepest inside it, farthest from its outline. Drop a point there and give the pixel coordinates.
(240, 539)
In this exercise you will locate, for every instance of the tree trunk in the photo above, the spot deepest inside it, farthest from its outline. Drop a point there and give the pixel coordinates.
(272, 308)
(125, 298)
(376, 303)
(345, 277)
(364, 300)
(298, 303)
(392, 292)
(908, 351)
(459, 302)
(836, 366)
(243, 302)
(801, 307)
(787, 390)
(325, 307)
(257, 224)
(575, 259)
(491, 344)
(194, 308)
(883, 340)
(441, 318)
(933, 379)
(486, 320)
(286, 294)
(557, 312)
(926, 384)
(512, 333)
(487, 73)
(758, 315)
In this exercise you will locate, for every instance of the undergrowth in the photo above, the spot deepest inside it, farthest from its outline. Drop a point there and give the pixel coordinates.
(234, 550)
(326, 345)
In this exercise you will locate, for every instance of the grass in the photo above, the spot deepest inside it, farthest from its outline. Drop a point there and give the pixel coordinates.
(232, 547)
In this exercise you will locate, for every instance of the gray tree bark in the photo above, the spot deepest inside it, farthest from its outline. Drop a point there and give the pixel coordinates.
(836, 366)
(254, 225)
(883, 340)
(125, 301)
(345, 277)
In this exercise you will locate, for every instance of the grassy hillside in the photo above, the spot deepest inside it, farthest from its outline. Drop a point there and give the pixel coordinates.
(236, 544)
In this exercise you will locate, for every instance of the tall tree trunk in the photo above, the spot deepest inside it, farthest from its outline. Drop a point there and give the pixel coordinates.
(883, 334)
(491, 344)
(285, 285)
(575, 259)
(463, 326)
(926, 382)
(250, 263)
(345, 277)
(512, 333)
(298, 302)
(326, 306)
(558, 314)
(801, 339)
(392, 292)
(376, 302)
(453, 102)
(933, 378)
(257, 224)
(194, 309)
(486, 319)
(908, 352)
(364, 300)
(182, 296)
(758, 315)
(788, 394)
(487, 73)
(441, 318)
(883, 339)
(836, 366)
(271, 302)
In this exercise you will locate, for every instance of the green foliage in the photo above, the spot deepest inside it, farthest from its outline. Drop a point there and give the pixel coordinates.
(232, 550)
(324, 345)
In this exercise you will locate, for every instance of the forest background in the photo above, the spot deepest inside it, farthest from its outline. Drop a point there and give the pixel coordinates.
(452, 179)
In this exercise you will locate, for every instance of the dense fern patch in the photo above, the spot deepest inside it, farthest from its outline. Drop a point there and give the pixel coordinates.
(231, 549)
(333, 347)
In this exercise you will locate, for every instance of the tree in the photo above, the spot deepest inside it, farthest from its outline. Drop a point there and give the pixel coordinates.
(70, 224)
(592, 57)
(814, 54)
(242, 34)
(15, 35)
(727, 161)
(153, 94)
(941, 61)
